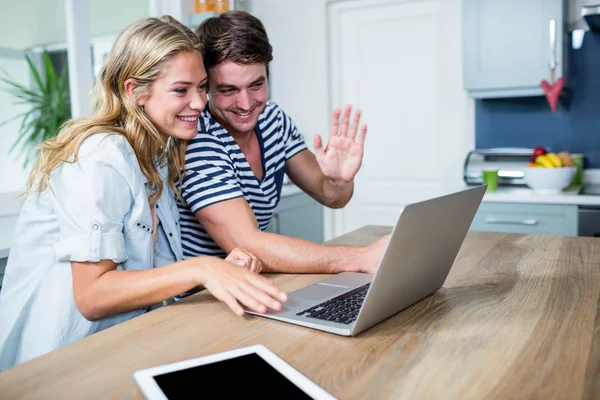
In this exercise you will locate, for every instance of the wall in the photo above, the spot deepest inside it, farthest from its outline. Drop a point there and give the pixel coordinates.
(529, 122)
(12, 173)
(299, 68)
(34, 22)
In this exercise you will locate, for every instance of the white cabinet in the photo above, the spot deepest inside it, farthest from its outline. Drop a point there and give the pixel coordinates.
(542, 219)
(507, 46)
(400, 62)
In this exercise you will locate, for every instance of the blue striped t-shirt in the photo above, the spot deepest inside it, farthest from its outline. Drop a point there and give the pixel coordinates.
(218, 171)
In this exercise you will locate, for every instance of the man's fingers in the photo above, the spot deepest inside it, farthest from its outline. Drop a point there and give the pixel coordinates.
(256, 265)
(362, 135)
(335, 124)
(318, 141)
(346, 120)
(355, 123)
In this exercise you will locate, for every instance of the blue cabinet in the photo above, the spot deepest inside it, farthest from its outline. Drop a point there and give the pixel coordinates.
(298, 216)
(545, 219)
(507, 46)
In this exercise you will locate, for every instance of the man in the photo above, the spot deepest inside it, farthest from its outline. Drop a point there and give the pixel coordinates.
(236, 163)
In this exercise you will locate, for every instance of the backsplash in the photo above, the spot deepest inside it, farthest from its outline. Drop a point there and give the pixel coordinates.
(529, 122)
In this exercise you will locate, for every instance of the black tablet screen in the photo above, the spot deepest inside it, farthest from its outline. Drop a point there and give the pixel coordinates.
(249, 376)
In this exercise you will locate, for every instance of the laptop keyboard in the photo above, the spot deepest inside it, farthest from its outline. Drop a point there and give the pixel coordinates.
(343, 308)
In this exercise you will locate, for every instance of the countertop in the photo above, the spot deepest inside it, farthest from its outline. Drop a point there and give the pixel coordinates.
(517, 317)
(570, 195)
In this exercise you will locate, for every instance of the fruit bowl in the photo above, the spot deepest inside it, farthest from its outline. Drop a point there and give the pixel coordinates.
(549, 180)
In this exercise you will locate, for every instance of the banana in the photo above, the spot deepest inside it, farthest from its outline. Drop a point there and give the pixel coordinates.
(554, 159)
(543, 161)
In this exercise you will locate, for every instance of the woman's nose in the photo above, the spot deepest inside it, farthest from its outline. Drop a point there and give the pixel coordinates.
(198, 101)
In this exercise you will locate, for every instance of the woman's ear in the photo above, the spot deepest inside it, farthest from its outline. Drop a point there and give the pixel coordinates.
(130, 85)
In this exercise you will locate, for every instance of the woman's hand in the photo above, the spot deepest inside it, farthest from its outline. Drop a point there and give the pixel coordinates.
(237, 286)
(245, 259)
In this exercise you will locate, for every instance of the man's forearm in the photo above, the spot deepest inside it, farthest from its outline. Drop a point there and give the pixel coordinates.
(291, 255)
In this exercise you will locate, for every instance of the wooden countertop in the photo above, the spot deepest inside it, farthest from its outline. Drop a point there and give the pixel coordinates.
(517, 318)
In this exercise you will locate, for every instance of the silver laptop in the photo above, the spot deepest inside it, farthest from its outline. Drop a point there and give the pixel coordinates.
(422, 248)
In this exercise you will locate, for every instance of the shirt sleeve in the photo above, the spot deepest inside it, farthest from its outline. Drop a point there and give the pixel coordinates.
(90, 198)
(294, 141)
(210, 177)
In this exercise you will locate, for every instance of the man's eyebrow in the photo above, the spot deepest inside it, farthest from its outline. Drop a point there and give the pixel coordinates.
(225, 86)
(259, 80)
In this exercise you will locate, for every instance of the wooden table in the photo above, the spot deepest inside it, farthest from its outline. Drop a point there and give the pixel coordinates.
(517, 318)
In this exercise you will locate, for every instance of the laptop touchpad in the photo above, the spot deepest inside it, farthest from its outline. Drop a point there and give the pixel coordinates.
(318, 292)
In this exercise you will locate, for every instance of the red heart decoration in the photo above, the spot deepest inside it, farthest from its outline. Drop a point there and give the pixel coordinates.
(552, 92)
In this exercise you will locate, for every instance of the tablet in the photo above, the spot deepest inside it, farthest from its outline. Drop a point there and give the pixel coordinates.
(251, 372)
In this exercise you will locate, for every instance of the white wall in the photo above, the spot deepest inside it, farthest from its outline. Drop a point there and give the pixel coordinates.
(35, 22)
(298, 34)
(12, 173)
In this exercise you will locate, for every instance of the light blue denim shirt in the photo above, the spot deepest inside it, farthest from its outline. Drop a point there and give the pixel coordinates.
(95, 209)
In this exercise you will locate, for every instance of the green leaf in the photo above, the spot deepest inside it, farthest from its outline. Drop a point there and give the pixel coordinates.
(48, 107)
(35, 73)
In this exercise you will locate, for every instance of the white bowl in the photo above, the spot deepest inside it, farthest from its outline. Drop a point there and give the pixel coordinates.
(549, 180)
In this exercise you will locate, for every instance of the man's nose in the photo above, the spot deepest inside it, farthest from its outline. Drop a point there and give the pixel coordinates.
(243, 100)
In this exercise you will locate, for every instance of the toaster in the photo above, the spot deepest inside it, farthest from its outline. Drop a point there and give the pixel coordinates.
(510, 163)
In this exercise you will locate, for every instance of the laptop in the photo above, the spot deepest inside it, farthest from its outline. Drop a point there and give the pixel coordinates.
(422, 248)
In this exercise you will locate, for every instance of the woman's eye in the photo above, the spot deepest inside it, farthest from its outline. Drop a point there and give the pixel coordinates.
(203, 87)
(181, 91)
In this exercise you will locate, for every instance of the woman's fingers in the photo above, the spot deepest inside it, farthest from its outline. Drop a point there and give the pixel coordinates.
(248, 299)
(261, 297)
(231, 302)
(268, 287)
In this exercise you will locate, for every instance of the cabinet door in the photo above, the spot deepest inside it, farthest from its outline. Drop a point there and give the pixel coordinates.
(507, 46)
(401, 62)
(298, 216)
(545, 219)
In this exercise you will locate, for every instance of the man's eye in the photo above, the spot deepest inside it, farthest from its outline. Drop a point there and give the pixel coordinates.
(227, 91)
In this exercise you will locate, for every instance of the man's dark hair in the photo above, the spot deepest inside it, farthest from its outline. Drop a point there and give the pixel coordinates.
(234, 36)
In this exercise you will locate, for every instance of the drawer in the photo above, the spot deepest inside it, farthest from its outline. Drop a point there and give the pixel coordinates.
(546, 219)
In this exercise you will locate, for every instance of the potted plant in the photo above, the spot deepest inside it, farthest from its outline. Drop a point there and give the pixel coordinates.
(49, 106)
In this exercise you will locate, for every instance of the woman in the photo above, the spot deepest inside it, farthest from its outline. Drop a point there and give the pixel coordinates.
(100, 211)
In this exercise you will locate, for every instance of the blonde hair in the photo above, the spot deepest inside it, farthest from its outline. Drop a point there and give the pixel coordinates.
(141, 52)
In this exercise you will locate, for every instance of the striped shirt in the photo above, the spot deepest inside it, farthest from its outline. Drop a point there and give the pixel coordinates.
(217, 171)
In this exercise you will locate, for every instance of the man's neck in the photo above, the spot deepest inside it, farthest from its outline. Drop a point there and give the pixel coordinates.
(242, 139)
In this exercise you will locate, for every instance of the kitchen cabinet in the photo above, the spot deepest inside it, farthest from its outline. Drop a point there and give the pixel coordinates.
(545, 219)
(298, 216)
(506, 46)
(2, 269)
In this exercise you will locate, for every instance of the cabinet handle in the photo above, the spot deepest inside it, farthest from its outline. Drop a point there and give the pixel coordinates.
(552, 64)
(277, 228)
(491, 220)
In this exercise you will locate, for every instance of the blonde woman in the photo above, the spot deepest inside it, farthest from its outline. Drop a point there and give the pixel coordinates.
(100, 212)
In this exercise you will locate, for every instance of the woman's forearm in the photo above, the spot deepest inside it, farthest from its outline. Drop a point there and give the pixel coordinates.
(118, 291)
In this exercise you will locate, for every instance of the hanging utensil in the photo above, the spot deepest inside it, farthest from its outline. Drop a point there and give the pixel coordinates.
(553, 88)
